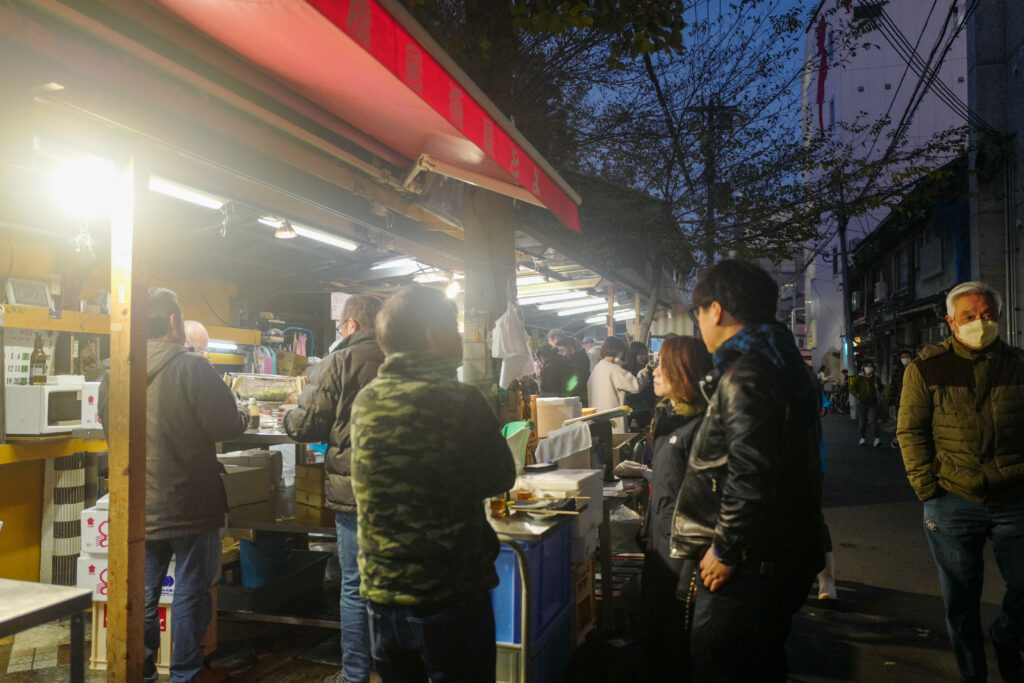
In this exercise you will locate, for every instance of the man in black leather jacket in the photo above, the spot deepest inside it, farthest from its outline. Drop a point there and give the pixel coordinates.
(750, 505)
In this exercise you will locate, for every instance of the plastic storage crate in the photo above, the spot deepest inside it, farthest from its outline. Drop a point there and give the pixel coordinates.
(303, 573)
(549, 563)
(549, 656)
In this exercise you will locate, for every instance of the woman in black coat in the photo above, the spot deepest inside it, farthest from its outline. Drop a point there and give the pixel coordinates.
(682, 362)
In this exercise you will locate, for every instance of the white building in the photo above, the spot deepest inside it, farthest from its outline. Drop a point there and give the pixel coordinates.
(847, 84)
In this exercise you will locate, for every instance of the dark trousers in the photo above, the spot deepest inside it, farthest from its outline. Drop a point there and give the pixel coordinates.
(867, 415)
(740, 630)
(957, 531)
(664, 636)
(451, 645)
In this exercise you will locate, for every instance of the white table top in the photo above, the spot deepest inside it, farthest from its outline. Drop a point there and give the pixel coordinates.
(24, 604)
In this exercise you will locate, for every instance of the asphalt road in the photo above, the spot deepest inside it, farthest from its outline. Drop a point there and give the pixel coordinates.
(888, 623)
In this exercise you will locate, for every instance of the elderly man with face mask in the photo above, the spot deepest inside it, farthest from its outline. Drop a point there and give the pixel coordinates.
(961, 430)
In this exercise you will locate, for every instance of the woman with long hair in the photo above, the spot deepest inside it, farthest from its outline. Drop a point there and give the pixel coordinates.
(683, 361)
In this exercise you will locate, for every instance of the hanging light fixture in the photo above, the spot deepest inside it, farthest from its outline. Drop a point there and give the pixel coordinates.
(285, 231)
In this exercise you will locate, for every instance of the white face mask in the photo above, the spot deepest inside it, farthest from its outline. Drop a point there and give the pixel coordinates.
(868, 371)
(978, 333)
(905, 360)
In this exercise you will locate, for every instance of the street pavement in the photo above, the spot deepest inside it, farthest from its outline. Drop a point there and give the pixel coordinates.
(887, 624)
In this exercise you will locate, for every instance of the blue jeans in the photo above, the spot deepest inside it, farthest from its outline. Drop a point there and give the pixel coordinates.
(739, 632)
(355, 623)
(451, 645)
(197, 563)
(956, 531)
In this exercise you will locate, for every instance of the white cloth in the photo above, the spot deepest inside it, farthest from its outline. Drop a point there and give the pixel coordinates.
(510, 342)
(607, 388)
(594, 354)
(563, 442)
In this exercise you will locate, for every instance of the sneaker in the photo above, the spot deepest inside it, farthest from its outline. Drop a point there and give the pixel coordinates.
(876, 443)
(862, 441)
(1011, 668)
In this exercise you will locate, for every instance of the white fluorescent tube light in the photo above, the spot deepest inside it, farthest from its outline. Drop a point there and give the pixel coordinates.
(619, 315)
(222, 345)
(396, 263)
(427, 278)
(270, 221)
(185, 193)
(530, 280)
(572, 303)
(603, 306)
(547, 298)
(324, 237)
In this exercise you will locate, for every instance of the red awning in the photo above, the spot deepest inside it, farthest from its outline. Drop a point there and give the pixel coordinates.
(354, 59)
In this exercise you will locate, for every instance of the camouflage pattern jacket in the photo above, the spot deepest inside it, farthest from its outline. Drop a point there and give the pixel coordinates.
(426, 452)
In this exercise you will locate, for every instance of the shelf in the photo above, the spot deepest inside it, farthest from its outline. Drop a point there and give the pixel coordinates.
(234, 334)
(25, 449)
(35, 318)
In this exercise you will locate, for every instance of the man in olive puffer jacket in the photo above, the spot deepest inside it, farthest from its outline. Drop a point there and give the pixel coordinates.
(961, 430)
(323, 415)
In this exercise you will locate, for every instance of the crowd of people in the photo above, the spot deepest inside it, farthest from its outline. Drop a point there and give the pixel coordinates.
(733, 538)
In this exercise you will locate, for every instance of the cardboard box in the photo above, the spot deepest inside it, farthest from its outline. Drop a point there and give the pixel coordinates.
(98, 658)
(245, 485)
(90, 405)
(311, 499)
(256, 458)
(289, 363)
(562, 483)
(310, 477)
(95, 534)
(314, 516)
(92, 575)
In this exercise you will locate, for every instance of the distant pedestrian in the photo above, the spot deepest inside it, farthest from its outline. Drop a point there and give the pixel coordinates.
(866, 388)
(895, 389)
(961, 431)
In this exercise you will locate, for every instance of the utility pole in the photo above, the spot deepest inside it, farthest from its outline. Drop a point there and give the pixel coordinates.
(716, 115)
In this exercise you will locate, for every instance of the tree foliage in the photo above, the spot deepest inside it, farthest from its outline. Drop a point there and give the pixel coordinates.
(696, 103)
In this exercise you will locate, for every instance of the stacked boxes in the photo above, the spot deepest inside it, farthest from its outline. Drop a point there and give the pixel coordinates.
(309, 494)
(93, 565)
(586, 484)
(585, 617)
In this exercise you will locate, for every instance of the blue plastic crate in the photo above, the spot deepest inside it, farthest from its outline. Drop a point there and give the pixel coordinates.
(550, 564)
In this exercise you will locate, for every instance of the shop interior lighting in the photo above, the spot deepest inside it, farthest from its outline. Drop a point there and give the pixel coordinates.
(603, 306)
(627, 314)
(285, 231)
(84, 187)
(452, 290)
(185, 193)
(588, 302)
(216, 345)
(530, 280)
(310, 233)
(547, 298)
(402, 263)
(431, 277)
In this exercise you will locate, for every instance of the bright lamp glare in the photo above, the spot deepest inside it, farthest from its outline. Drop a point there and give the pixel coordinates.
(452, 290)
(84, 188)
(572, 303)
(603, 306)
(222, 345)
(548, 298)
(324, 237)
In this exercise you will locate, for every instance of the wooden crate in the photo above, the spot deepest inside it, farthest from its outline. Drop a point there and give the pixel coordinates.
(585, 617)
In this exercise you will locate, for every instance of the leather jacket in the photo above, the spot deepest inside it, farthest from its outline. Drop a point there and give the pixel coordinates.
(753, 481)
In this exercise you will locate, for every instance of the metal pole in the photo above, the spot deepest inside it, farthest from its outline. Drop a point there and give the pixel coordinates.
(847, 309)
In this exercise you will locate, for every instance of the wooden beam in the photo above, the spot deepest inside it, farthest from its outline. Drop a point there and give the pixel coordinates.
(127, 430)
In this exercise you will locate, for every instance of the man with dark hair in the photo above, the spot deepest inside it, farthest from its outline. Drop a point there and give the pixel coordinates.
(426, 452)
(323, 414)
(188, 410)
(750, 505)
(556, 375)
(570, 347)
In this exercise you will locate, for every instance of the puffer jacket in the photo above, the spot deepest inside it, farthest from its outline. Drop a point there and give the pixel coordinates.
(188, 410)
(324, 408)
(753, 482)
(961, 422)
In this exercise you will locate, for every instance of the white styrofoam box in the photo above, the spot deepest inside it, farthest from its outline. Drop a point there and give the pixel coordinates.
(588, 483)
(90, 406)
(103, 503)
(95, 534)
(92, 575)
(584, 546)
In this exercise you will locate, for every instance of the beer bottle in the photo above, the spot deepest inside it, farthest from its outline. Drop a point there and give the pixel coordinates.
(37, 363)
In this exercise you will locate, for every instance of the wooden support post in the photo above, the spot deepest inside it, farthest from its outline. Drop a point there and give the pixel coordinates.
(611, 309)
(127, 430)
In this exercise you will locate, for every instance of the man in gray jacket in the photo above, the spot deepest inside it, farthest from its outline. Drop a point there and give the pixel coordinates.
(188, 410)
(323, 415)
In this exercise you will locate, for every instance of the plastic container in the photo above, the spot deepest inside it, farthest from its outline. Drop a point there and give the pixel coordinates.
(549, 563)
(303, 574)
(552, 412)
(266, 389)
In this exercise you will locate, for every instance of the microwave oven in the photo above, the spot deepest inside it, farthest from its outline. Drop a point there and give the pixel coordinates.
(34, 409)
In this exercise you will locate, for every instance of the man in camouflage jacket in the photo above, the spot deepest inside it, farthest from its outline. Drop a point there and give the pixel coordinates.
(961, 430)
(426, 452)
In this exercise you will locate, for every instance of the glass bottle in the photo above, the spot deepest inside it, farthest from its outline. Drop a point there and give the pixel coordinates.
(254, 414)
(37, 363)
